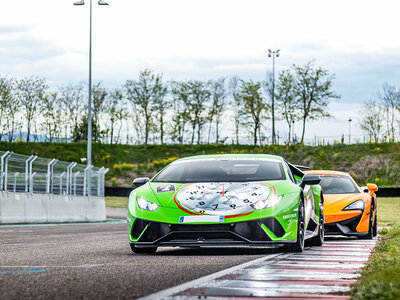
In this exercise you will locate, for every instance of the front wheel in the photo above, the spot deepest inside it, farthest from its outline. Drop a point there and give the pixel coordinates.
(147, 250)
(299, 245)
(370, 234)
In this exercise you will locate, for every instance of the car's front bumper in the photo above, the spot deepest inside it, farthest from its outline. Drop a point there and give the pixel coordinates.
(150, 233)
(346, 227)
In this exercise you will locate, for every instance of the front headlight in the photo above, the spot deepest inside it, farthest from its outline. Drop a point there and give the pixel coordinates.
(270, 201)
(144, 204)
(356, 205)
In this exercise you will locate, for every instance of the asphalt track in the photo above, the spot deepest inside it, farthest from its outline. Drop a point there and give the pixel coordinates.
(95, 262)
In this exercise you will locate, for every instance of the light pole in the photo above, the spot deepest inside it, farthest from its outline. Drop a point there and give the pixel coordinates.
(273, 54)
(89, 134)
(350, 129)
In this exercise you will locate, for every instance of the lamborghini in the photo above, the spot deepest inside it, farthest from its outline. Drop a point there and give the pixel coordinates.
(224, 201)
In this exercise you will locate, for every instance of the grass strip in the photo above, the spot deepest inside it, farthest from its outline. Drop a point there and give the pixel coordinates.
(380, 278)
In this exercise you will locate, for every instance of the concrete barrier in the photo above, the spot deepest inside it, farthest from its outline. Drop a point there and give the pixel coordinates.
(19, 208)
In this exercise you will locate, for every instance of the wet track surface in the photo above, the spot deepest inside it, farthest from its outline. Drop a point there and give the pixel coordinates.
(95, 261)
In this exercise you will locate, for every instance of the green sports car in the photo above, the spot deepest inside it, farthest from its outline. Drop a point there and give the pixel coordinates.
(226, 200)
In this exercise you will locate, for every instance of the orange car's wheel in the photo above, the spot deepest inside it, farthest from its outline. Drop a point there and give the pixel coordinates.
(370, 233)
(375, 228)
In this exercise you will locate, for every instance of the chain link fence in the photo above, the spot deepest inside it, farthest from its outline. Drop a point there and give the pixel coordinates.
(33, 174)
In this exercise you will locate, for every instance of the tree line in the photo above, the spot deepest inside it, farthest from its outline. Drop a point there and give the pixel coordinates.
(150, 110)
(380, 116)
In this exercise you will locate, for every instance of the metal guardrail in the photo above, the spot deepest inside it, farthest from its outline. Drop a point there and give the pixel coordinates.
(33, 174)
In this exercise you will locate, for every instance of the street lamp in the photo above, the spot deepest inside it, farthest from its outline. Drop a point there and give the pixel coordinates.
(350, 129)
(89, 135)
(273, 54)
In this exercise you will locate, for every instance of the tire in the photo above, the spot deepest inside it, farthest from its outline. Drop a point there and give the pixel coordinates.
(375, 227)
(318, 240)
(299, 245)
(370, 234)
(147, 250)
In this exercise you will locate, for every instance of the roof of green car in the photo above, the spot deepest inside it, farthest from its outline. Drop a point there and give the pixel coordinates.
(244, 156)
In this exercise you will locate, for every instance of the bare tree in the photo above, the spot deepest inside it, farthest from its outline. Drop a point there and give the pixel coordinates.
(31, 91)
(390, 99)
(371, 120)
(313, 88)
(99, 96)
(234, 87)
(72, 99)
(160, 107)
(199, 95)
(286, 99)
(254, 107)
(218, 95)
(180, 110)
(51, 112)
(142, 93)
(9, 107)
(117, 112)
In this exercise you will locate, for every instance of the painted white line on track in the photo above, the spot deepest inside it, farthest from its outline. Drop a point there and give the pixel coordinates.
(179, 288)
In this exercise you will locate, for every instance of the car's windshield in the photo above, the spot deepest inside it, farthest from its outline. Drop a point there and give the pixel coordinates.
(338, 184)
(222, 170)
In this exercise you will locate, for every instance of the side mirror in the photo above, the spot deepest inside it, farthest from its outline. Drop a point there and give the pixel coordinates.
(310, 180)
(140, 181)
(372, 187)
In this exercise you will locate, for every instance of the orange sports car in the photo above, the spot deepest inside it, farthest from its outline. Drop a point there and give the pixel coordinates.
(348, 209)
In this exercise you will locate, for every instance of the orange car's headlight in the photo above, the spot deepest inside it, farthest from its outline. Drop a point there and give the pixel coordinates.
(356, 205)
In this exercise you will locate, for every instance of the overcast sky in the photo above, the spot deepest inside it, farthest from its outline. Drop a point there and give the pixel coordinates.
(193, 39)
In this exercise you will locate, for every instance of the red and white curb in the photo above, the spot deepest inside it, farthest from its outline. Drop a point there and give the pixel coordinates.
(325, 272)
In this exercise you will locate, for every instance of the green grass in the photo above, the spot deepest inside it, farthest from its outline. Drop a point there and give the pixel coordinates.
(375, 163)
(120, 202)
(388, 211)
(380, 278)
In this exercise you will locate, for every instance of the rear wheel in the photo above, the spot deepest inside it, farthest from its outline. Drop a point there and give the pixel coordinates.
(148, 250)
(318, 240)
(375, 227)
(299, 245)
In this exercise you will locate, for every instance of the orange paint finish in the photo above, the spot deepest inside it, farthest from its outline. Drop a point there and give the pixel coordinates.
(335, 203)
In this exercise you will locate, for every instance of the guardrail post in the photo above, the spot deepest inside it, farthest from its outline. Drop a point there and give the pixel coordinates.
(49, 176)
(75, 175)
(15, 182)
(61, 177)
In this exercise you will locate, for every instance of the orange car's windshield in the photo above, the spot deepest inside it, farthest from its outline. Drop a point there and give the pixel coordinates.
(338, 184)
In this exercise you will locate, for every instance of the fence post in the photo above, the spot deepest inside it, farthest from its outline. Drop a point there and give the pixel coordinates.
(61, 177)
(86, 191)
(31, 182)
(99, 173)
(15, 181)
(49, 177)
(102, 181)
(27, 172)
(4, 169)
(75, 175)
(69, 177)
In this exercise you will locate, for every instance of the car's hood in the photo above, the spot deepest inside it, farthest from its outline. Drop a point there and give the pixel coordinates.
(214, 198)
